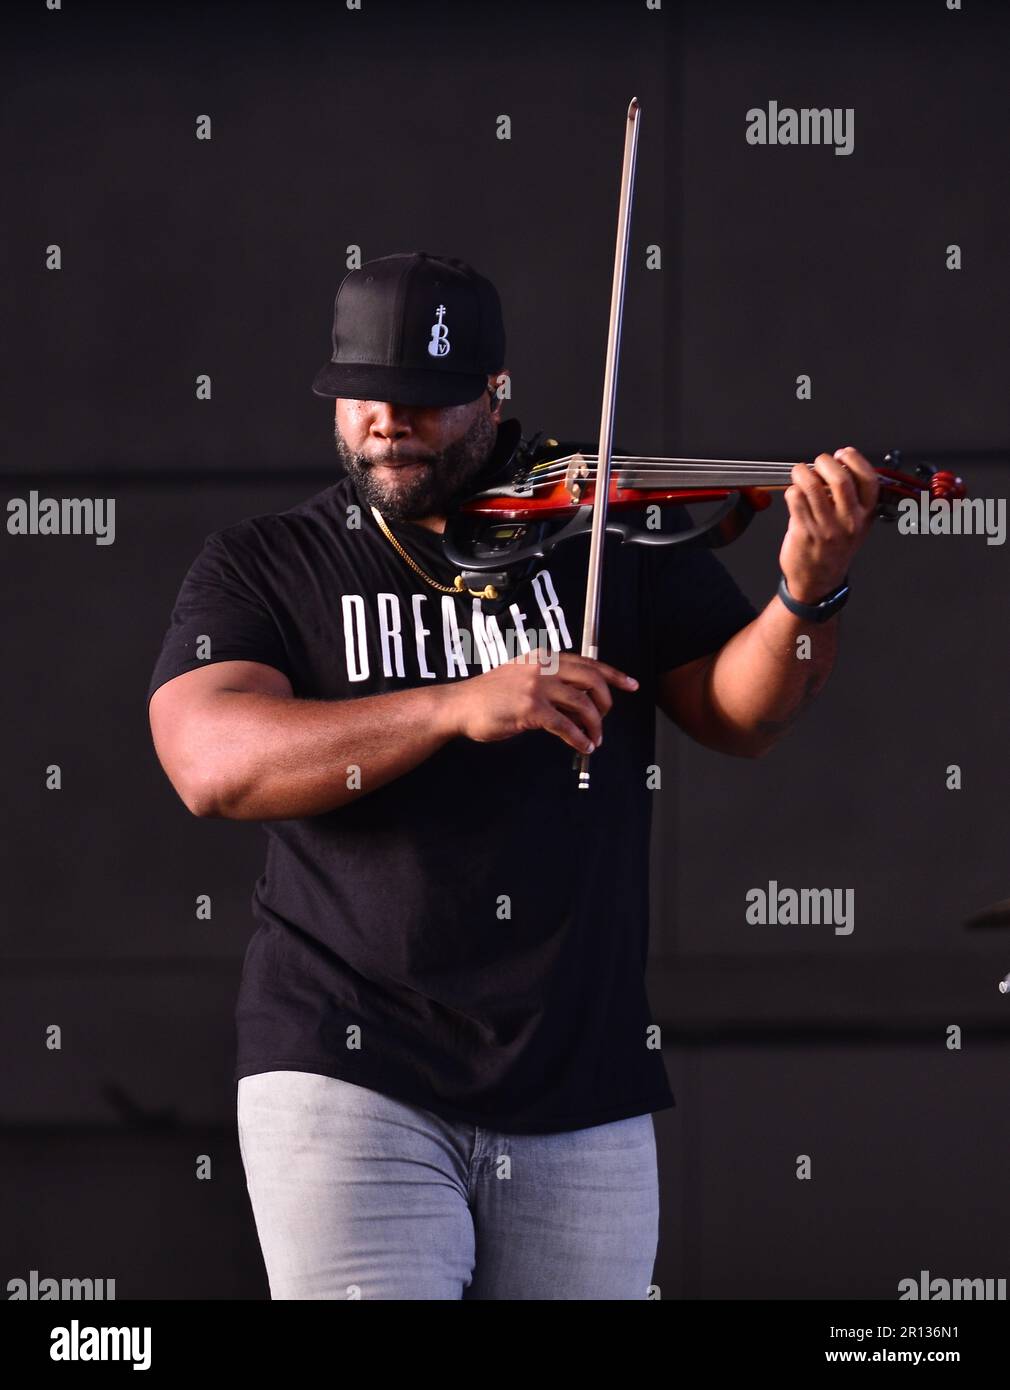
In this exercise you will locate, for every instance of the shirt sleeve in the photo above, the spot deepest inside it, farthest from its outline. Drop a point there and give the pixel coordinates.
(218, 616)
(696, 604)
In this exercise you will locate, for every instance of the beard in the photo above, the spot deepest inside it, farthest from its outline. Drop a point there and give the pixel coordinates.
(429, 490)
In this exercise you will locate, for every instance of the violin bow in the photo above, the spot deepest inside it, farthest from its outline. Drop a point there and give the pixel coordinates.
(591, 618)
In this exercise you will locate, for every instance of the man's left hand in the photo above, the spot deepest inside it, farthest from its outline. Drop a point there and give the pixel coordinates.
(831, 508)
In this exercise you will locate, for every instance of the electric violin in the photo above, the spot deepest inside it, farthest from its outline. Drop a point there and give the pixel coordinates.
(535, 495)
(546, 495)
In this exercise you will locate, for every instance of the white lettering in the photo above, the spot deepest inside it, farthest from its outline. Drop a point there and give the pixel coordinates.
(420, 633)
(355, 638)
(390, 630)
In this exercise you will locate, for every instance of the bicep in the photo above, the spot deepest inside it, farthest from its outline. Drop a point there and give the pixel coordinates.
(696, 608)
(175, 708)
(682, 693)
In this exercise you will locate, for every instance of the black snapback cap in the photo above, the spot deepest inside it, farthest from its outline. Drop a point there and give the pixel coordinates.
(415, 329)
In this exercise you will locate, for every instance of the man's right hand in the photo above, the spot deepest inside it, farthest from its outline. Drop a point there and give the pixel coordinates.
(564, 694)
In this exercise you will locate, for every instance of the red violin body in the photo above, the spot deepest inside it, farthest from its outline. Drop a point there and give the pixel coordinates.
(542, 496)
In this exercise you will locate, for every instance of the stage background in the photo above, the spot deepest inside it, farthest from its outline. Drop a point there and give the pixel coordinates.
(334, 128)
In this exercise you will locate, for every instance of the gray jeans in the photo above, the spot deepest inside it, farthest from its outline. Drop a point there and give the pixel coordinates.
(356, 1195)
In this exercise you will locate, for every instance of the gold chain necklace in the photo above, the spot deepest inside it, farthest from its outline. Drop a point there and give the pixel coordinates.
(456, 587)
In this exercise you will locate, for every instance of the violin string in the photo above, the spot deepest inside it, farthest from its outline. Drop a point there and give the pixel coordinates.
(559, 467)
(654, 467)
(681, 481)
(653, 459)
(701, 472)
(745, 471)
(550, 478)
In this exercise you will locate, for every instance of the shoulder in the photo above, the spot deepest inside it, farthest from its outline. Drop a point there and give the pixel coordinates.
(270, 532)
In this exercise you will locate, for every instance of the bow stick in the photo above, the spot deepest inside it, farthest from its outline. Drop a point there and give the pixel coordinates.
(591, 618)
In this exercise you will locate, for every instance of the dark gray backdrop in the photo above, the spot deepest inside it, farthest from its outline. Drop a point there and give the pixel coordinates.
(377, 129)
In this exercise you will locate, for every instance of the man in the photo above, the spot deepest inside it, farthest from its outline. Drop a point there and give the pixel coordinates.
(446, 1067)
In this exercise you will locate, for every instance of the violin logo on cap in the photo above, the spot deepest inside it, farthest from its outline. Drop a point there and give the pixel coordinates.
(438, 345)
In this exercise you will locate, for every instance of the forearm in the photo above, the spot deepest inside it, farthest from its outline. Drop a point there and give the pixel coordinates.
(256, 756)
(765, 676)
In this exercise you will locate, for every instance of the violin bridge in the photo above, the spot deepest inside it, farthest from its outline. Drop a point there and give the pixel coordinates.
(576, 476)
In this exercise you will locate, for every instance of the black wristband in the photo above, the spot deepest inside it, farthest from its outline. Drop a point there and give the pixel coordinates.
(815, 612)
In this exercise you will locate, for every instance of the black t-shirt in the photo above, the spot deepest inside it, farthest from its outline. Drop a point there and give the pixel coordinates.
(471, 937)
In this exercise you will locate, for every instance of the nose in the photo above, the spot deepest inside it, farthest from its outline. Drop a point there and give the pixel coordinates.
(389, 420)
